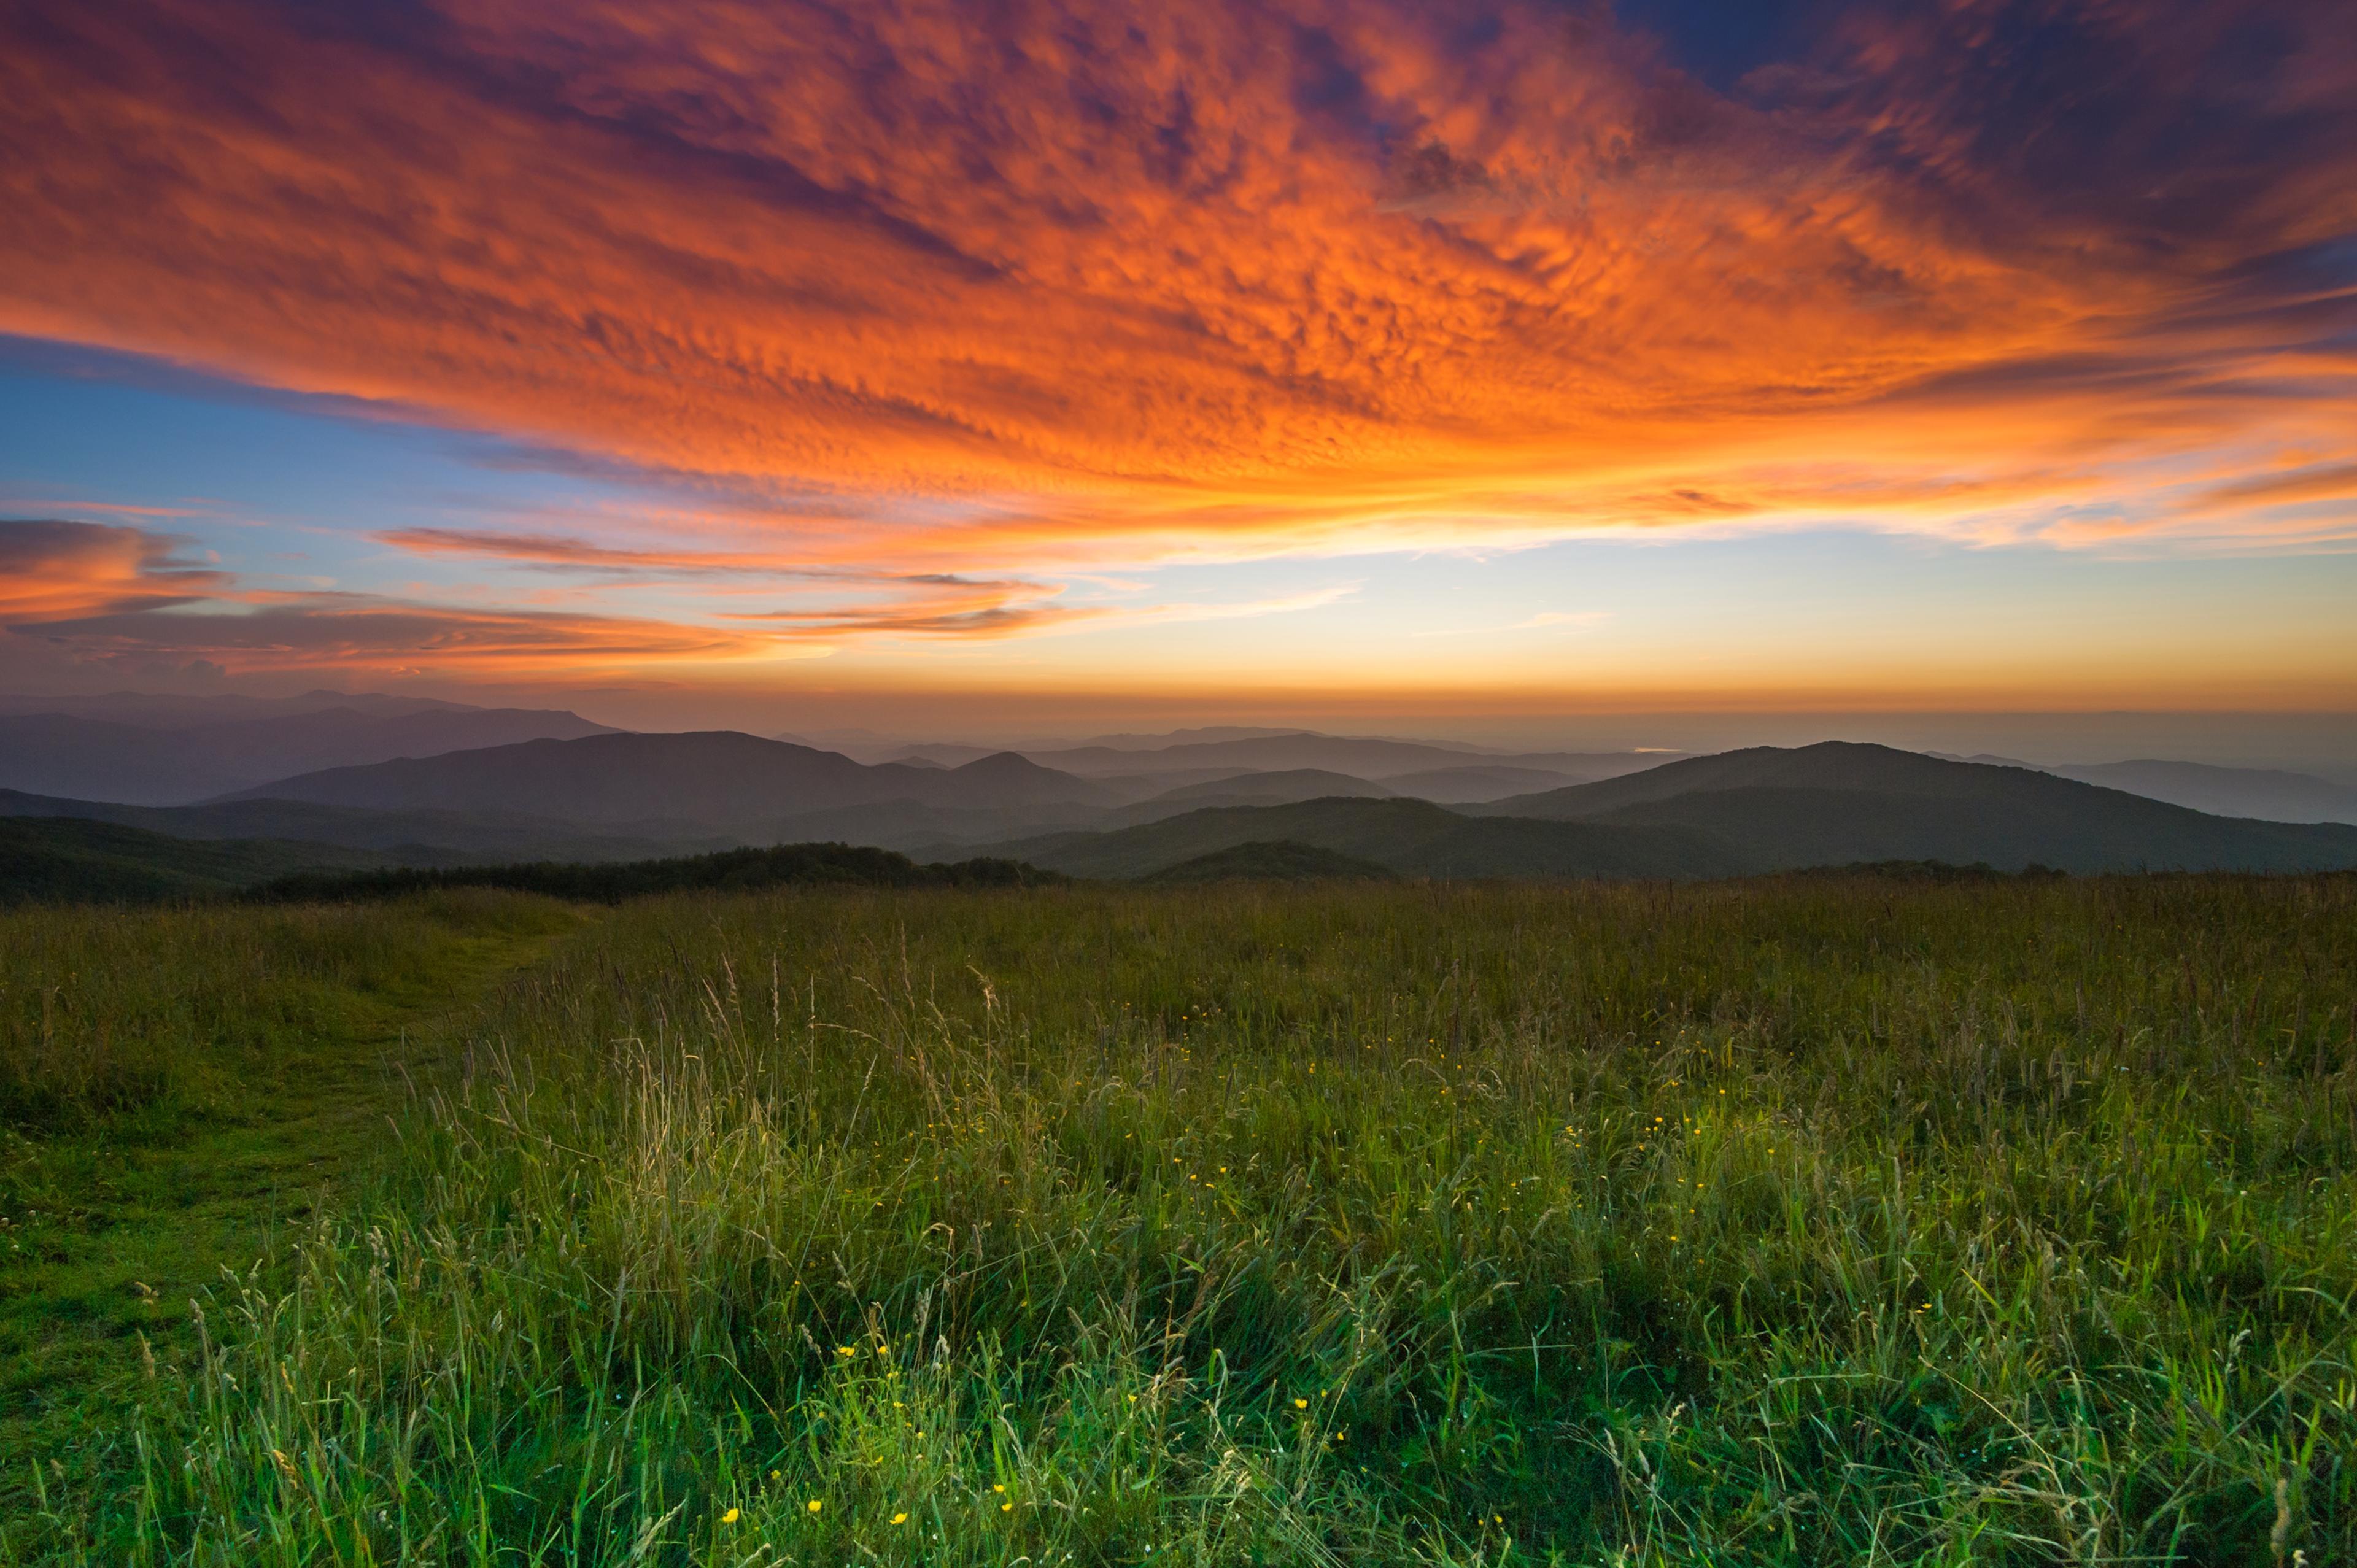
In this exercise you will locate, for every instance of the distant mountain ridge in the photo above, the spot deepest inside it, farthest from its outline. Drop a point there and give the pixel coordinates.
(1841, 800)
(151, 753)
(1765, 809)
(719, 780)
(1373, 757)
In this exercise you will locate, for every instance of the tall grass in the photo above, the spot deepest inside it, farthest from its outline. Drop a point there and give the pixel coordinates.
(109, 1015)
(1822, 1220)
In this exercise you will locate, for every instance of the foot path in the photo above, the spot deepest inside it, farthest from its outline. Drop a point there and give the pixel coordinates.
(111, 1237)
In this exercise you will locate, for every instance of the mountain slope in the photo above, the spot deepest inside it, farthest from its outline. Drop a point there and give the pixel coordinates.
(713, 779)
(58, 754)
(407, 838)
(1275, 788)
(59, 859)
(2268, 794)
(1839, 802)
(1477, 782)
(154, 758)
(1283, 860)
(1415, 838)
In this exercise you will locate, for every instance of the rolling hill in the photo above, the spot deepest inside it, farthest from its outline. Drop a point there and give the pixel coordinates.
(1413, 838)
(1283, 860)
(1838, 802)
(1277, 789)
(50, 859)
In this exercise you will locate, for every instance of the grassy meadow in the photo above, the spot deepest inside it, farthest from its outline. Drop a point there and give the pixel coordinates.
(1818, 1220)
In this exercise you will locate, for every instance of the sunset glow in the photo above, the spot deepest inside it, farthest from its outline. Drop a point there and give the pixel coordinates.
(1532, 355)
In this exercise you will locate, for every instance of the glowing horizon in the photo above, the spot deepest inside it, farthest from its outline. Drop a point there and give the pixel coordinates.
(1510, 354)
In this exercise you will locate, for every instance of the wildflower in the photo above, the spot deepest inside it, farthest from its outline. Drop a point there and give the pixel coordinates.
(731, 1516)
(773, 1474)
(844, 1350)
(815, 1504)
(997, 1488)
(1006, 1508)
(1301, 1404)
(899, 1519)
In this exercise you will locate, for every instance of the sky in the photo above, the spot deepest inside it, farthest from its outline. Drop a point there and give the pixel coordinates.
(1021, 363)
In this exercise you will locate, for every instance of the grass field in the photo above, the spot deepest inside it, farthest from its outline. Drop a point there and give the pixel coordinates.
(1822, 1219)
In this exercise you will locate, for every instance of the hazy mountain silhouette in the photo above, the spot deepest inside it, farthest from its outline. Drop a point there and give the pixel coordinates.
(717, 780)
(1361, 757)
(2266, 793)
(617, 796)
(58, 754)
(150, 755)
(1275, 788)
(1476, 782)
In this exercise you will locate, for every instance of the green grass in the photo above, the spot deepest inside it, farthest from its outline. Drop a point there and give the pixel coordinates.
(1831, 1219)
(176, 1090)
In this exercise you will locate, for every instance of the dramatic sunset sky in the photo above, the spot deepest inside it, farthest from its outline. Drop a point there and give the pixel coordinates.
(945, 362)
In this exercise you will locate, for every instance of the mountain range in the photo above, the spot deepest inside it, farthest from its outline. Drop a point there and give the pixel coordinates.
(1763, 809)
(404, 784)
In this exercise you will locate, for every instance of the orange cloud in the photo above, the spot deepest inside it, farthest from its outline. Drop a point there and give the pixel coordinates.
(368, 635)
(52, 571)
(95, 590)
(2336, 483)
(1046, 284)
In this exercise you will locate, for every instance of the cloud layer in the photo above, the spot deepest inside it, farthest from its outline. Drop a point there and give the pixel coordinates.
(945, 298)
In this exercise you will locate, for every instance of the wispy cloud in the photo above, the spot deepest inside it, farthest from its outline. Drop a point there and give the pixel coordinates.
(1007, 620)
(2334, 482)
